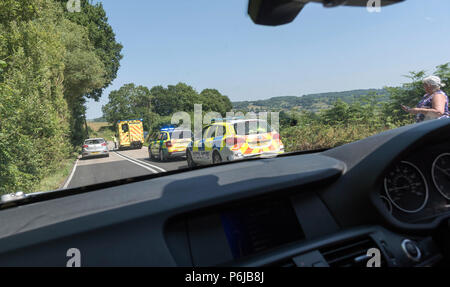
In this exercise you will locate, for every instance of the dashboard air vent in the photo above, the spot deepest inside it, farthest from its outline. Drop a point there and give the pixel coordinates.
(350, 253)
(284, 263)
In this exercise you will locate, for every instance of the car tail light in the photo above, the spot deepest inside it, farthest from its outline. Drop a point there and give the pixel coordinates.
(85, 146)
(168, 144)
(103, 144)
(277, 136)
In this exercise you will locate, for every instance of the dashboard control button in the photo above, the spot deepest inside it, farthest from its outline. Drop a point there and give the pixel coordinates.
(411, 249)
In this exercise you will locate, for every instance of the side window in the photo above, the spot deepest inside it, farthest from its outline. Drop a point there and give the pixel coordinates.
(204, 131)
(159, 136)
(220, 131)
(187, 134)
(164, 136)
(125, 128)
(211, 132)
(176, 135)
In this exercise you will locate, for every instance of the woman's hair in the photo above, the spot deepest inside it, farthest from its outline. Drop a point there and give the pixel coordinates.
(433, 81)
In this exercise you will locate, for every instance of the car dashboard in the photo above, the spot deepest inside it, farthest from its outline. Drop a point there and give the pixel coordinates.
(332, 208)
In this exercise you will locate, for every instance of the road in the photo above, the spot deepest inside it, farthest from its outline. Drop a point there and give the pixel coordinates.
(119, 165)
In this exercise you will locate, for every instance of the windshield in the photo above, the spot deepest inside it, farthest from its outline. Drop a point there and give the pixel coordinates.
(89, 142)
(181, 135)
(98, 91)
(245, 128)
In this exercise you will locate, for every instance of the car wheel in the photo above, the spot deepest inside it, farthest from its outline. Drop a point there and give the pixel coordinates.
(190, 160)
(216, 158)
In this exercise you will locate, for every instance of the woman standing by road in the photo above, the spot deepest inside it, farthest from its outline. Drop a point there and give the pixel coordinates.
(434, 104)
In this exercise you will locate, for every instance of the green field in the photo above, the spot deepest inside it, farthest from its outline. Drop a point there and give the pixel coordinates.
(101, 130)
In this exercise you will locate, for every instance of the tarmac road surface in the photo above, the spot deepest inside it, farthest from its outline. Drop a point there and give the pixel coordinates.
(119, 165)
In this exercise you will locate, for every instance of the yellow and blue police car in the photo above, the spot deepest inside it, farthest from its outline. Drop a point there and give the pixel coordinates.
(234, 139)
(169, 142)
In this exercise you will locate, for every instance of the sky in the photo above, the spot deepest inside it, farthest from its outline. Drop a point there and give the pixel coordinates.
(214, 44)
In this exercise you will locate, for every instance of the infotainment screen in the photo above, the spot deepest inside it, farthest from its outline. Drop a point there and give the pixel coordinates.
(254, 227)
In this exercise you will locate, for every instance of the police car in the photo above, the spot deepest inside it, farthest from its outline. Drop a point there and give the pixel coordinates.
(169, 142)
(234, 139)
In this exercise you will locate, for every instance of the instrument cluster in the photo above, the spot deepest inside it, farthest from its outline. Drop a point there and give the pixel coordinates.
(417, 188)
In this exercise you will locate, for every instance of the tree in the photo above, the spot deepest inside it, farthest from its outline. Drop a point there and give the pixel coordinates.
(47, 66)
(33, 111)
(408, 94)
(174, 98)
(102, 37)
(84, 72)
(182, 97)
(443, 71)
(129, 102)
(213, 100)
(157, 105)
(338, 114)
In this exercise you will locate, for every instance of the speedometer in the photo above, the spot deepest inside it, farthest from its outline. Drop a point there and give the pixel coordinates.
(440, 172)
(406, 187)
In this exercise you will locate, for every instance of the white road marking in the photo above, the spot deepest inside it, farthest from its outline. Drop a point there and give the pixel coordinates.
(133, 161)
(71, 175)
(143, 162)
(146, 163)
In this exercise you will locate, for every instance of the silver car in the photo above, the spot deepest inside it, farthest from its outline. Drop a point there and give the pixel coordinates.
(95, 147)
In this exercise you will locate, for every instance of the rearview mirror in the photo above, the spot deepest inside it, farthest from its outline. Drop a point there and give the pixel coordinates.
(274, 12)
(279, 12)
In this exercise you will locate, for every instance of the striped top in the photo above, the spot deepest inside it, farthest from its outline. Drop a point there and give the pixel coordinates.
(426, 102)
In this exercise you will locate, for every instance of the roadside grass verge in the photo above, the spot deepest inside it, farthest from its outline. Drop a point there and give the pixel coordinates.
(317, 136)
(57, 178)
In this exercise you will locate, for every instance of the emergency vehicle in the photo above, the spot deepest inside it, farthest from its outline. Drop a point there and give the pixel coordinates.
(234, 139)
(168, 142)
(130, 133)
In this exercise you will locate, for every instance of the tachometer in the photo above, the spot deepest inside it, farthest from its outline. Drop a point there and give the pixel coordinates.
(406, 187)
(440, 172)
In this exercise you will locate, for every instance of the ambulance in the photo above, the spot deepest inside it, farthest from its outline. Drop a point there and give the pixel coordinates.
(130, 134)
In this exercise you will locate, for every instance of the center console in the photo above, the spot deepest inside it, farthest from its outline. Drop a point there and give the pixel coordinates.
(287, 230)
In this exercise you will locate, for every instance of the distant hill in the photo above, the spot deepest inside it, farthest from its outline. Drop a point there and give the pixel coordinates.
(310, 102)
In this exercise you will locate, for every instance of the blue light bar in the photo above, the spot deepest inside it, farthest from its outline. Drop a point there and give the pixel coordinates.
(167, 128)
